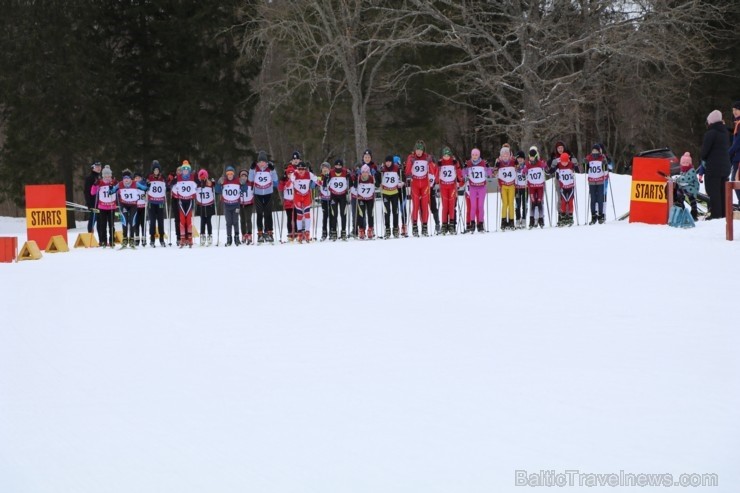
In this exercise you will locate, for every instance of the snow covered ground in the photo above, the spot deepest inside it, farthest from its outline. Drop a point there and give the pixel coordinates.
(421, 365)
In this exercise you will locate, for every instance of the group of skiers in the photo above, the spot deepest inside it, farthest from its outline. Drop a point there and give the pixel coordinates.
(347, 196)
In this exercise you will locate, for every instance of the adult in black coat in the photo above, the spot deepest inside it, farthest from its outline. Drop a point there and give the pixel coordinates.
(89, 197)
(714, 153)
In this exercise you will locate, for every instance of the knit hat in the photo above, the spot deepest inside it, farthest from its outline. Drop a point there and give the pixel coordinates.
(186, 163)
(186, 167)
(475, 152)
(228, 168)
(295, 155)
(367, 153)
(736, 105)
(96, 163)
(388, 158)
(419, 145)
(107, 173)
(564, 158)
(325, 165)
(505, 149)
(301, 165)
(365, 169)
(714, 117)
(138, 174)
(243, 172)
(534, 150)
(396, 159)
(126, 173)
(290, 168)
(686, 161)
(597, 147)
(338, 162)
(520, 154)
(446, 151)
(155, 165)
(262, 156)
(203, 174)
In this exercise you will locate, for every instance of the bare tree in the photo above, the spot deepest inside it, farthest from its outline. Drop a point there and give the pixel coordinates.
(332, 48)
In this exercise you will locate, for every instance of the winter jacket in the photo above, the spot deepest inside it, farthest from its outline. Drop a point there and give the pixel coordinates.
(735, 147)
(715, 150)
(89, 182)
(688, 182)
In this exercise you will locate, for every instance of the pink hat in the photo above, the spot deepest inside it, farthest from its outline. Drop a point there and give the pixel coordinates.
(714, 117)
(365, 169)
(475, 152)
(564, 158)
(202, 174)
(686, 161)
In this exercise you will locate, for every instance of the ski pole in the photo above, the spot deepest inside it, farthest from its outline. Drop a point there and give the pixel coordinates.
(614, 206)
(547, 205)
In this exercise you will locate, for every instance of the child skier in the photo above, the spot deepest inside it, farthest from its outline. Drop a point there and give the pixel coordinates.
(417, 179)
(405, 192)
(596, 170)
(689, 183)
(390, 189)
(172, 180)
(285, 186)
(566, 185)
(365, 186)
(521, 190)
(303, 182)
(263, 179)
(476, 172)
(206, 202)
(536, 188)
(128, 197)
(140, 233)
(156, 196)
(450, 177)
(325, 196)
(106, 203)
(339, 183)
(505, 170)
(230, 188)
(185, 191)
(246, 207)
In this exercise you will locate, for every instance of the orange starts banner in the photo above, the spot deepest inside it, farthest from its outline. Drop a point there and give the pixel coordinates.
(648, 200)
(46, 212)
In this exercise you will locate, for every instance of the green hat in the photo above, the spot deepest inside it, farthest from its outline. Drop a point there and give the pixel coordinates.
(446, 151)
(419, 144)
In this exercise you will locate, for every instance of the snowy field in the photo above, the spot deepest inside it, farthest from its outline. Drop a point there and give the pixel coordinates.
(427, 365)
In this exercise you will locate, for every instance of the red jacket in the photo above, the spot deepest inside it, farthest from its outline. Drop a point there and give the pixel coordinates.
(417, 167)
(449, 172)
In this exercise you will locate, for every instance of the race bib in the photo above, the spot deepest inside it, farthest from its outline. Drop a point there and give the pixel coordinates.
(338, 184)
(447, 174)
(507, 175)
(536, 176)
(104, 195)
(521, 179)
(263, 179)
(186, 189)
(595, 170)
(141, 202)
(231, 193)
(477, 175)
(156, 191)
(391, 180)
(302, 186)
(288, 193)
(366, 191)
(246, 197)
(128, 195)
(566, 177)
(420, 169)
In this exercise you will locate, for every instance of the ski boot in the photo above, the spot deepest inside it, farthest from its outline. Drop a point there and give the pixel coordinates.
(415, 231)
(541, 222)
(404, 231)
(333, 236)
(124, 243)
(343, 236)
(424, 230)
(299, 236)
(531, 222)
(443, 229)
(162, 243)
(594, 218)
(481, 227)
(269, 237)
(387, 234)
(307, 236)
(370, 233)
(470, 229)
(437, 228)
(291, 237)
(602, 218)
(396, 233)
(248, 239)
(260, 237)
(561, 219)
(362, 234)
(229, 241)
(324, 236)
(452, 228)
(237, 242)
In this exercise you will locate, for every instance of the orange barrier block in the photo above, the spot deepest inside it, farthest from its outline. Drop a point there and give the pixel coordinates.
(8, 248)
(649, 198)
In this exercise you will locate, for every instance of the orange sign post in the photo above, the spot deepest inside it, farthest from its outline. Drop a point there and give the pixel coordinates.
(46, 212)
(649, 199)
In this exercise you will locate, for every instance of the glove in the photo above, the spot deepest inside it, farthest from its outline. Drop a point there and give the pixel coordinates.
(254, 165)
(221, 181)
(408, 182)
(271, 165)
